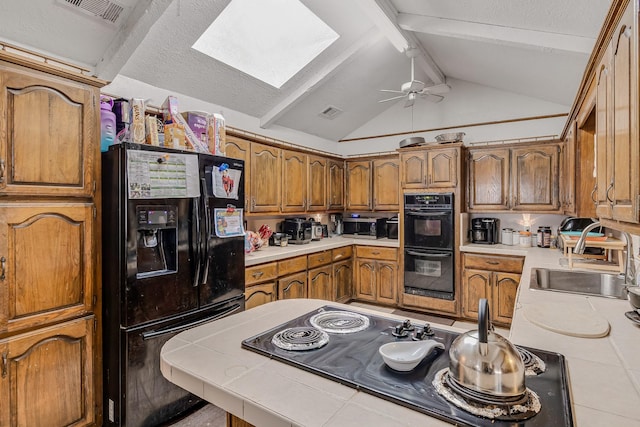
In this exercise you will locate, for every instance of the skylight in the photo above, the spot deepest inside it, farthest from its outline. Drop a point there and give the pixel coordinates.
(270, 40)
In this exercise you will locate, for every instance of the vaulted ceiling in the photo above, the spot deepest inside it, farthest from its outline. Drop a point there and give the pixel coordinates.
(532, 48)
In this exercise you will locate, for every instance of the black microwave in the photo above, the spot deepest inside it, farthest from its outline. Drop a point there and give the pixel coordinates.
(366, 228)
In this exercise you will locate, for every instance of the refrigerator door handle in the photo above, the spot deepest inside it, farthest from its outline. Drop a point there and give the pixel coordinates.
(207, 232)
(175, 329)
(198, 250)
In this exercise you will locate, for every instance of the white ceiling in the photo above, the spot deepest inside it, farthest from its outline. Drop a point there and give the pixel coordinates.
(533, 48)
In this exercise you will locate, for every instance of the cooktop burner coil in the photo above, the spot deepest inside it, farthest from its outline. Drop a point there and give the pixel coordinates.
(533, 365)
(300, 338)
(484, 405)
(340, 322)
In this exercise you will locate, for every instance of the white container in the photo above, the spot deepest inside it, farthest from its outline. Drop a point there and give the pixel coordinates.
(507, 236)
(525, 239)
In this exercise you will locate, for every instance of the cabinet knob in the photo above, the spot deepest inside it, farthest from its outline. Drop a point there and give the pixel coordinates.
(3, 262)
(257, 274)
(1, 170)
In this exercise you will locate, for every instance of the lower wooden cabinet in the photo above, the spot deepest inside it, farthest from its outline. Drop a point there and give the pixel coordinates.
(343, 280)
(484, 276)
(260, 294)
(320, 285)
(47, 376)
(233, 421)
(377, 274)
(293, 286)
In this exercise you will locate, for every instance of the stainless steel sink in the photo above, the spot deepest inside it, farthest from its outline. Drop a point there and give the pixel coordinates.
(577, 282)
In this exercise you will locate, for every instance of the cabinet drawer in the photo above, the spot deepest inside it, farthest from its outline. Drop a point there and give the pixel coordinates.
(494, 263)
(377, 252)
(339, 254)
(319, 258)
(260, 273)
(292, 265)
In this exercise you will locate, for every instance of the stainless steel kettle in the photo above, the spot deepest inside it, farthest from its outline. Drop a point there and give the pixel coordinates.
(486, 362)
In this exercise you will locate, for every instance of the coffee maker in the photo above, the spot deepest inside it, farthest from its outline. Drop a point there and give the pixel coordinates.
(485, 230)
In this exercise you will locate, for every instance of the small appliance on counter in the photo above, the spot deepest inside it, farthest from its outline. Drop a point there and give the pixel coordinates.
(335, 224)
(485, 230)
(578, 224)
(365, 228)
(298, 230)
(392, 227)
(316, 229)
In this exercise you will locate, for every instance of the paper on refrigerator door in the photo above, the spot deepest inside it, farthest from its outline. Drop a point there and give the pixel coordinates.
(157, 175)
(228, 222)
(225, 182)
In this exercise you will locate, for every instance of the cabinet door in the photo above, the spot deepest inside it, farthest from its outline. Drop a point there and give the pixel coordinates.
(359, 185)
(535, 178)
(386, 188)
(414, 170)
(568, 172)
(265, 178)
(47, 263)
(336, 184)
(503, 296)
(604, 182)
(387, 282)
(625, 116)
(260, 294)
(320, 283)
(366, 280)
(476, 284)
(343, 280)
(443, 168)
(238, 148)
(293, 286)
(49, 135)
(47, 376)
(317, 190)
(488, 179)
(294, 181)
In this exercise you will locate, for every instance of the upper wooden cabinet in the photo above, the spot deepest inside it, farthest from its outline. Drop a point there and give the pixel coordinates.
(318, 182)
(359, 185)
(618, 148)
(517, 178)
(265, 178)
(294, 181)
(386, 192)
(432, 167)
(239, 148)
(335, 184)
(49, 131)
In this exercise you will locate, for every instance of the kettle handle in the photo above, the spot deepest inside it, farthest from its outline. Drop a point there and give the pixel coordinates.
(483, 320)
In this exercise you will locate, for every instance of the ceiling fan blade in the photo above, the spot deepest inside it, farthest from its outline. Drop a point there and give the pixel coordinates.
(391, 99)
(392, 91)
(437, 89)
(433, 98)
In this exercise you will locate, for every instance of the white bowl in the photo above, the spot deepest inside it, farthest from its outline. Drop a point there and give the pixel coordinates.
(406, 355)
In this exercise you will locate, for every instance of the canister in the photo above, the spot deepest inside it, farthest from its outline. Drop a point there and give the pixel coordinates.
(525, 238)
(507, 236)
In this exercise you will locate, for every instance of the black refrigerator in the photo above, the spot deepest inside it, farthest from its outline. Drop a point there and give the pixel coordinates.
(173, 258)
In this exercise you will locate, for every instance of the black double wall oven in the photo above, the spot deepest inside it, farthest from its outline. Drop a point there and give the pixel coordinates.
(429, 245)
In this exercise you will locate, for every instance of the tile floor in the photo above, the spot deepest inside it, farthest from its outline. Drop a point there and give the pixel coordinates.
(211, 416)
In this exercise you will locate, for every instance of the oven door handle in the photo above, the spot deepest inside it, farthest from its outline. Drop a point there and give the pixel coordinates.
(429, 254)
(426, 214)
(153, 334)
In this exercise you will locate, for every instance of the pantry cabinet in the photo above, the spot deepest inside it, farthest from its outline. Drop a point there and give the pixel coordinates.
(265, 178)
(50, 291)
(386, 192)
(430, 167)
(517, 178)
(495, 278)
(377, 274)
(618, 148)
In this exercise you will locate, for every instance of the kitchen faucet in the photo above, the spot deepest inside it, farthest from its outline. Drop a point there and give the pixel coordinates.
(630, 266)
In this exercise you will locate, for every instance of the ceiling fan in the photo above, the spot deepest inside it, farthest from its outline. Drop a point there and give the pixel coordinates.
(415, 88)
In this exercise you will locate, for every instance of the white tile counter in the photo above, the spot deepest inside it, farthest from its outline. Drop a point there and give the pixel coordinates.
(275, 253)
(604, 373)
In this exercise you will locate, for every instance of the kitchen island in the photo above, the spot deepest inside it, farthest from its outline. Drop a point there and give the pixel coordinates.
(209, 361)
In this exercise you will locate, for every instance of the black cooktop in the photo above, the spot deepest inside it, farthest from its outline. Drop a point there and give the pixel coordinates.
(353, 360)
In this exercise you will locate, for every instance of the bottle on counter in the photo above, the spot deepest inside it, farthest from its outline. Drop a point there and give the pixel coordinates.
(544, 236)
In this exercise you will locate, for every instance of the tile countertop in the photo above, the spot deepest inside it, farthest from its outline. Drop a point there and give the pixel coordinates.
(275, 253)
(209, 361)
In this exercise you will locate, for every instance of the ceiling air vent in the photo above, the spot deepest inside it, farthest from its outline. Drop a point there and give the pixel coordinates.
(330, 112)
(105, 10)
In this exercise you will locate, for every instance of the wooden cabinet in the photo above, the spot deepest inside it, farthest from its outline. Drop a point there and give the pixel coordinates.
(430, 168)
(239, 148)
(293, 286)
(265, 178)
(377, 274)
(47, 376)
(518, 178)
(359, 185)
(343, 280)
(386, 191)
(618, 148)
(320, 283)
(317, 199)
(260, 284)
(50, 292)
(336, 184)
(495, 278)
(294, 181)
